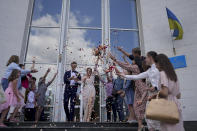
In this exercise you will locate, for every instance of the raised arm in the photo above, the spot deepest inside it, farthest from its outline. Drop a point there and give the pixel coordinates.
(137, 77)
(96, 66)
(124, 52)
(123, 65)
(46, 74)
(51, 81)
(33, 65)
(117, 71)
(125, 60)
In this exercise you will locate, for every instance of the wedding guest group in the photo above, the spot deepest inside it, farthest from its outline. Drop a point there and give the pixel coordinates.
(131, 85)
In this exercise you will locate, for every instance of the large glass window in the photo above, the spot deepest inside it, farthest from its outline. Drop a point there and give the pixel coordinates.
(85, 13)
(84, 34)
(123, 14)
(46, 13)
(124, 28)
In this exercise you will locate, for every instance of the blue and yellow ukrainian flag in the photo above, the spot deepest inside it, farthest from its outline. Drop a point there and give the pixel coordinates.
(175, 25)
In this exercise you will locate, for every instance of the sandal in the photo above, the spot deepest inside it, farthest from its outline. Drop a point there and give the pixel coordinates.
(2, 125)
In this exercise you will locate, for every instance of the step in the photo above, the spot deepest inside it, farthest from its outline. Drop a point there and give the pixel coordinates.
(82, 126)
(69, 126)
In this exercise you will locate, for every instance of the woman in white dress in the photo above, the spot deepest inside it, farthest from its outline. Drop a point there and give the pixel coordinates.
(89, 92)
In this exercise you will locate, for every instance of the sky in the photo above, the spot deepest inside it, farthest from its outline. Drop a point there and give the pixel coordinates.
(43, 43)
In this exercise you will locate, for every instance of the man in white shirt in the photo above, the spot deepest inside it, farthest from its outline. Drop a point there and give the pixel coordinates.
(71, 79)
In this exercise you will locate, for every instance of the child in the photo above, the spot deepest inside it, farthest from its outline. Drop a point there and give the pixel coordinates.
(32, 82)
(13, 98)
(42, 88)
(30, 104)
(109, 101)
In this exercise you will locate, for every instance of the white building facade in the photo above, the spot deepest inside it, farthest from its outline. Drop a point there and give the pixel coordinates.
(154, 34)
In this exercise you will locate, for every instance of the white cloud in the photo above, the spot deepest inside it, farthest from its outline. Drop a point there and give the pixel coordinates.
(44, 42)
(87, 20)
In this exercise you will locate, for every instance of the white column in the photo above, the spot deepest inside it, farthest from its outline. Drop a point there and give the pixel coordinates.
(106, 41)
(26, 33)
(58, 112)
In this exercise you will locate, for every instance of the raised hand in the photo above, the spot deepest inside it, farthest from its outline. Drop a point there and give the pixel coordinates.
(34, 71)
(119, 48)
(49, 69)
(111, 56)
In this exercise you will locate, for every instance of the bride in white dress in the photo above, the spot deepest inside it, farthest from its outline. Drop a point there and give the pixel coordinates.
(88, 93)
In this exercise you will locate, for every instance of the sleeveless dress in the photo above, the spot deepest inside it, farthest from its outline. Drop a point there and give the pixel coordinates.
(88, 94)
(173, 91)
(11, 99)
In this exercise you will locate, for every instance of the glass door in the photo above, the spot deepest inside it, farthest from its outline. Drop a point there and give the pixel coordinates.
(67, 30)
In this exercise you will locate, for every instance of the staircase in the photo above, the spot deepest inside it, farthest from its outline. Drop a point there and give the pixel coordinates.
(76, 126)
(60, 126)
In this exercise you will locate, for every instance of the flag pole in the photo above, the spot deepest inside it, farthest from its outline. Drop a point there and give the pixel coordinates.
(173, 47)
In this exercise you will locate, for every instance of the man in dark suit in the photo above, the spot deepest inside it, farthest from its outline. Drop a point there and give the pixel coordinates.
(71, 79)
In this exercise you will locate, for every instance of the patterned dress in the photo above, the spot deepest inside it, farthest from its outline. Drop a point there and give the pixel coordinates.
(140, 90)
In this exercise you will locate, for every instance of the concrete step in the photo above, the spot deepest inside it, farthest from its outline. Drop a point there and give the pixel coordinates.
(69, 126)
(82, 126)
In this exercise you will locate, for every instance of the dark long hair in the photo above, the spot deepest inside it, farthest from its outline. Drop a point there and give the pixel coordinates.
(138, 62)
(152, 54)
(166, 66)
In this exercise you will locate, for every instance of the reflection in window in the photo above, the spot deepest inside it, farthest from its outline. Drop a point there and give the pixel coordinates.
(85, 13)
(125, 39)
(123, 14)
(43, 45)
(46, 12)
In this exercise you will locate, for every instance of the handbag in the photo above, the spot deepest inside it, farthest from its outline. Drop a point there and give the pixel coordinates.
(2, 95)
(162, 110)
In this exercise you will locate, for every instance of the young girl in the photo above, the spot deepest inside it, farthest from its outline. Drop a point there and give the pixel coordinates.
(13, 98)
(170, 90)
(30, 104)
(42, 88)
